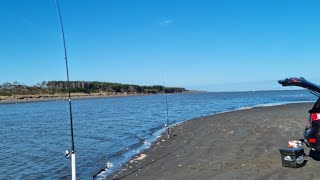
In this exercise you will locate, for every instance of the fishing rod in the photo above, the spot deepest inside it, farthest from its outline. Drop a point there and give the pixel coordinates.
(67, 153)
(167, 111)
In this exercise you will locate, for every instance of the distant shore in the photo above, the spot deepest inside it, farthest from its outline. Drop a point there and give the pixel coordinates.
(57, 97)
(241, 144)
(54, 97)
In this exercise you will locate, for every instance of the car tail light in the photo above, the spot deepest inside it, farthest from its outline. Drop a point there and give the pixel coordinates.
(312, 140)
(315, 117)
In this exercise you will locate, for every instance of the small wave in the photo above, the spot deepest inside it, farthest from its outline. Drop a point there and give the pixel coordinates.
(245, 108)
(104, 172)
(131, 153)
(281, 103)
(260, 105)
(123, 151)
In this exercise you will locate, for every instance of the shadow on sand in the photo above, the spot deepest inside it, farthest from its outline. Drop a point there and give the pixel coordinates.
(315, 155)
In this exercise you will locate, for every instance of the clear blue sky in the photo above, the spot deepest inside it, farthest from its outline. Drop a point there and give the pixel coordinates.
(216, 45)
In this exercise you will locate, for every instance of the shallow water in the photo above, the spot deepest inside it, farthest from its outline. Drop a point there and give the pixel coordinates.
(109, 131)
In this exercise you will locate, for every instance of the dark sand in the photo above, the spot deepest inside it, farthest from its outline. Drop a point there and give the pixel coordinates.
(235, 145)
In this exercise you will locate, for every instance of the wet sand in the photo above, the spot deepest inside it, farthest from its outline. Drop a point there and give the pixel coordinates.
(235, 145)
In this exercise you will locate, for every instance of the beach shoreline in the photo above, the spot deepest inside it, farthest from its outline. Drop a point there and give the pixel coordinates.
(241, 144)
(58, 97)
(61, 97)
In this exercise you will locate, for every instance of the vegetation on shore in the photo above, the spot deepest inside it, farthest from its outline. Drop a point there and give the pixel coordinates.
(86, 87)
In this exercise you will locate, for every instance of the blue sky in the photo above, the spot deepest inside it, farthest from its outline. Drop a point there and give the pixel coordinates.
(215, 45)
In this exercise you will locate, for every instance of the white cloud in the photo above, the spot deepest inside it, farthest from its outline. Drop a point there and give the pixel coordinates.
(166, 22)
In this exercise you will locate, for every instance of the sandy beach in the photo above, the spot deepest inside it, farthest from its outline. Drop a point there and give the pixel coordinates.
(59, 97)
(242, 144)
(64, 96)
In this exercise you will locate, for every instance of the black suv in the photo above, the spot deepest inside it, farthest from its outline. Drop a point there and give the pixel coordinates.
(312, 131)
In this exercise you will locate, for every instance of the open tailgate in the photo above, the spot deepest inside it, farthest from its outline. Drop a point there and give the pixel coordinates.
(302, 83)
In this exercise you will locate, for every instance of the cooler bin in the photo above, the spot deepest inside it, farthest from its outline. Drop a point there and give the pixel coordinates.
(292, 157)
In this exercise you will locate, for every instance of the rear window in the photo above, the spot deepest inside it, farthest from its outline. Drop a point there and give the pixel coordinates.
(316, 107)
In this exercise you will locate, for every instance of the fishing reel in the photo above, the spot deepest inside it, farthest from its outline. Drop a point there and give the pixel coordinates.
(67, 154)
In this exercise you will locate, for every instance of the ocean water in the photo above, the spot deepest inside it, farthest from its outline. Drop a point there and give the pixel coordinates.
(107, 131)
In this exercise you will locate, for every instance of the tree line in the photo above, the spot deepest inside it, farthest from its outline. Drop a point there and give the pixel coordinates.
(52, 87)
